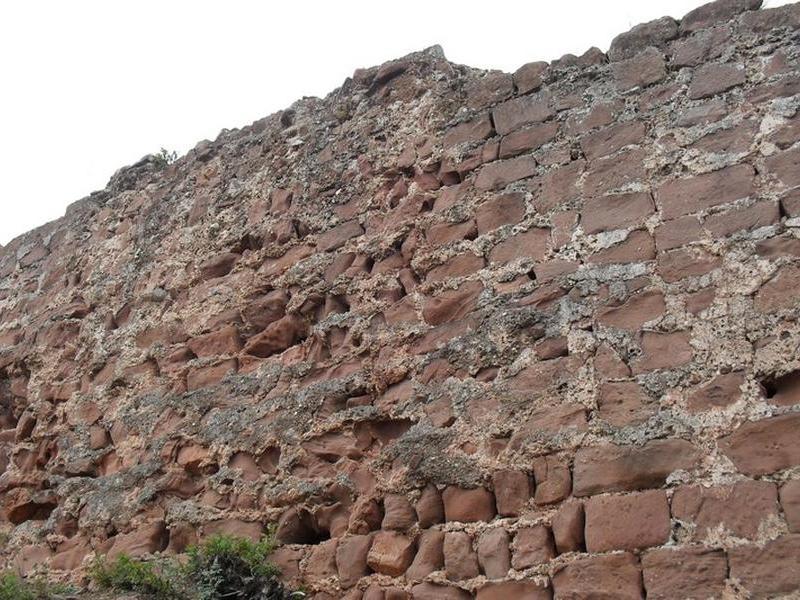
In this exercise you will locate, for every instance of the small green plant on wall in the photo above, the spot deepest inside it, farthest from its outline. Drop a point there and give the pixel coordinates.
(165, 157)
(220, 568)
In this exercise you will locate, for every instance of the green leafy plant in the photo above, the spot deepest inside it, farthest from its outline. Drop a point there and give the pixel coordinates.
(13, 587)
(158, 580)
(220, 568)
(165, 157)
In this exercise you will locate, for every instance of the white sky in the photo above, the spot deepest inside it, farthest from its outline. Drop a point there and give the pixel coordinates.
(87, 86)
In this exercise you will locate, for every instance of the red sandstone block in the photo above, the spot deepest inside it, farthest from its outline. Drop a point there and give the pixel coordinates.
(733, 140)
(512, 490)
(460, 265)
(522, 111)
(722, 391)
(610, 139)
(559, 186)
(553, 479)
(398, 512)
(646, 68)
(700, 48)
(663, 351)
(490, 89)
(517, 590)
(222, 341)
(321, 561)
(633, 313)
(498, 174)
(429, 507)
(785, 166)
(677, 232)
(637, 247)
(654, 33)
(335, 238)
(391, 553)
(692, 194)
(460, 560)
(697, 572)
(763, 447)
(218, 266)
(527, 139)
(715, 12)
(468, 505)
(532, 546)
(505, 209)
(614, 172)
(568, 527)
(628, 522)
(476, 130)
(612, 468)
(434, 591)
(616, 576)
(529, 77)
(452, 304)
(758, 215)
(622, 403)
(681, 263)
(770, 570)
(430, 555)
(790, 502)
(619, 211)
(761, 21)
(531, 244)
(712, 79)
(780, 292)
(494, 553)
(144, 540)
(277, 337)
(440, 234)
(739, 508)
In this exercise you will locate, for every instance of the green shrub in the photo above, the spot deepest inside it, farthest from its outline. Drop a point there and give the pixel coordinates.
(165, 157)
(155, 580)
(12, 587)
(220, 568)
(228, 567)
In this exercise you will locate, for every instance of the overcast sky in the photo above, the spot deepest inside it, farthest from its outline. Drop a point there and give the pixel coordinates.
(87, 86)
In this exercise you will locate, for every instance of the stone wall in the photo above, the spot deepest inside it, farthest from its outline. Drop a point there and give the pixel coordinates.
(455, 333)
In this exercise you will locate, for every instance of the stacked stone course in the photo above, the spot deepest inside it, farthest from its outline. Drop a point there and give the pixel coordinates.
(455, 334)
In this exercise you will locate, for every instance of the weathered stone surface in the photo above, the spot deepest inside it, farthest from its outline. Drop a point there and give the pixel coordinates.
(714, 12)
(698, 572)
(430, 555)
(790, 503)
(468, 505)
(516, 113)
(692, 194)
(607, 576)
(460, 560)
(765, 446)
(524, 590)
(715, 78)
(653, 33)
(646, 68)
(391, 553)
(576, 280)
(769, 570)
(498, 174)
(616, 212)
(739, 508)
(512, 490)
(628, 522)
(610, 468)
(532, 546)
(568, 527)
(494, 553)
